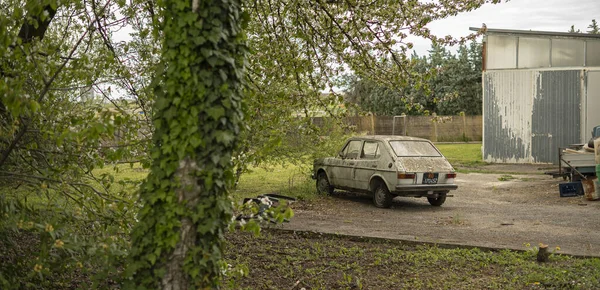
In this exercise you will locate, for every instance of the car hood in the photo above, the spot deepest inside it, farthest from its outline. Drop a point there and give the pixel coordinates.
(423, 164)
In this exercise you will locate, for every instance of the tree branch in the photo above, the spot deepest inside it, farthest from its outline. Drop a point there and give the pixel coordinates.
(47, 85)
(29, 31)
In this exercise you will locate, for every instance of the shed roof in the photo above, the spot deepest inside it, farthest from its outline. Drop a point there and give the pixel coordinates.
(538, 33)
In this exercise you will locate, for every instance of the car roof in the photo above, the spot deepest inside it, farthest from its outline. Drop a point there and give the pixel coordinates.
(388, 138)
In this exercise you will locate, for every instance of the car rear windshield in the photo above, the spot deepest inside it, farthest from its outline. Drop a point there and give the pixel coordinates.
(414, 149)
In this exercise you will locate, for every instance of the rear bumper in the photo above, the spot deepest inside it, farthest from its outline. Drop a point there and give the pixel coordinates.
(428, 187)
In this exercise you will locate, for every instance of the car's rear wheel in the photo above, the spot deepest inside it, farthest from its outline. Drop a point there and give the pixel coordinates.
(437, 201)
(323, 185)
(381, 195)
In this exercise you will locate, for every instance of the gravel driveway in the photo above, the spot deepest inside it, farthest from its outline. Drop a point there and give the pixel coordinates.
(523, 210)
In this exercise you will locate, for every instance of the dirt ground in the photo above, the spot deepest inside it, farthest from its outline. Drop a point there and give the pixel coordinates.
(518, 212)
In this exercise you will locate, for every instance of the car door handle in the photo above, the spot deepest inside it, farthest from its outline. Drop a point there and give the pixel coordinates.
(374, 165)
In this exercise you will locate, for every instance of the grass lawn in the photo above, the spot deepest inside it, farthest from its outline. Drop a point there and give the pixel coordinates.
(291, 180)
(462, 154)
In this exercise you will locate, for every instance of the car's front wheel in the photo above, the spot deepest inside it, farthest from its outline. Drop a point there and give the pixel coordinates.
(323, 185)
(437, 201)
(381, 195)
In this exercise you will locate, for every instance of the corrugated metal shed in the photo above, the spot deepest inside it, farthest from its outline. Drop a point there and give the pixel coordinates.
(541, 91)
(530, 113)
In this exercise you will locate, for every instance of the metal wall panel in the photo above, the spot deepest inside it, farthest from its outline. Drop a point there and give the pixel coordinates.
(592, 53)
(507, 112)
(567, 52)
(592, 104)
(534, 52)
(556, 120)
(501, 52)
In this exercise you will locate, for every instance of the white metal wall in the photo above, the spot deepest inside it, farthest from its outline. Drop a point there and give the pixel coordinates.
(507, 112)
(529, 114)
(592, 104)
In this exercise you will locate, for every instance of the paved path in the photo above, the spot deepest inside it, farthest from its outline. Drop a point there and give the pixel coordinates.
(485, 211)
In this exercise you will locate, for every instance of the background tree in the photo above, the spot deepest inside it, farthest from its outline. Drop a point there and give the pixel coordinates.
(593, 27)
(450, 84)
(572, 30)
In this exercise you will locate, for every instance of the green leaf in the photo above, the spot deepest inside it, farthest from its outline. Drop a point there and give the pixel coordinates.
(224, 137)
(216, 112)
(196, 141)
(35, 106)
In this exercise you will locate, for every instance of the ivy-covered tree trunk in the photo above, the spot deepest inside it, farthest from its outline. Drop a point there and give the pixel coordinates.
(177, 243)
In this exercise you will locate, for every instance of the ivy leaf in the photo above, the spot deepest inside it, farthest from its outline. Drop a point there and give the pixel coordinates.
(216, 112)
(196, 141)
(224, 137)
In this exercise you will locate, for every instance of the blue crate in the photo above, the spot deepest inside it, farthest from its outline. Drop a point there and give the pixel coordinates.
(570, 189)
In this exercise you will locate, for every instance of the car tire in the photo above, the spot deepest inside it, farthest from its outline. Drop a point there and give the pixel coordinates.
(323, 185)
(437, 201)
(382, 197)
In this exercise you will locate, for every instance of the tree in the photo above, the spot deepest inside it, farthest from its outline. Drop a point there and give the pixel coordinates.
(463, 92)
(450, 84)
(63, 114)
(572, 30)
(305, 47)
(178, 240)
(594, 28)
(52, 136)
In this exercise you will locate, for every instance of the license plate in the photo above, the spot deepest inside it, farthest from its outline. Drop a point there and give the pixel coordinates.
(430, 178)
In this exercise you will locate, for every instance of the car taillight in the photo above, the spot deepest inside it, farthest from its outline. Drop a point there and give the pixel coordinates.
(406, 176)
(451, 175)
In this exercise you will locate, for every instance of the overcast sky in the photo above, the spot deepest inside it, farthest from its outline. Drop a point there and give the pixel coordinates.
(546, 15)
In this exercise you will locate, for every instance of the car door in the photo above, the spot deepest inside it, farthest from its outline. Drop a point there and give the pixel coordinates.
(366, 165)
(341, 173)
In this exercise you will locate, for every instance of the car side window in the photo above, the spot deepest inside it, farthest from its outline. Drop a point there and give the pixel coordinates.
(352, 150)
(370, 150)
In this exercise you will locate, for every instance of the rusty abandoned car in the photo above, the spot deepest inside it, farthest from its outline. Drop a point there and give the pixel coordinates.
(387, 166)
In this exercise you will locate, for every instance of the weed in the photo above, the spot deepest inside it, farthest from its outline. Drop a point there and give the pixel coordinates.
(457, 219)
(506, 177)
